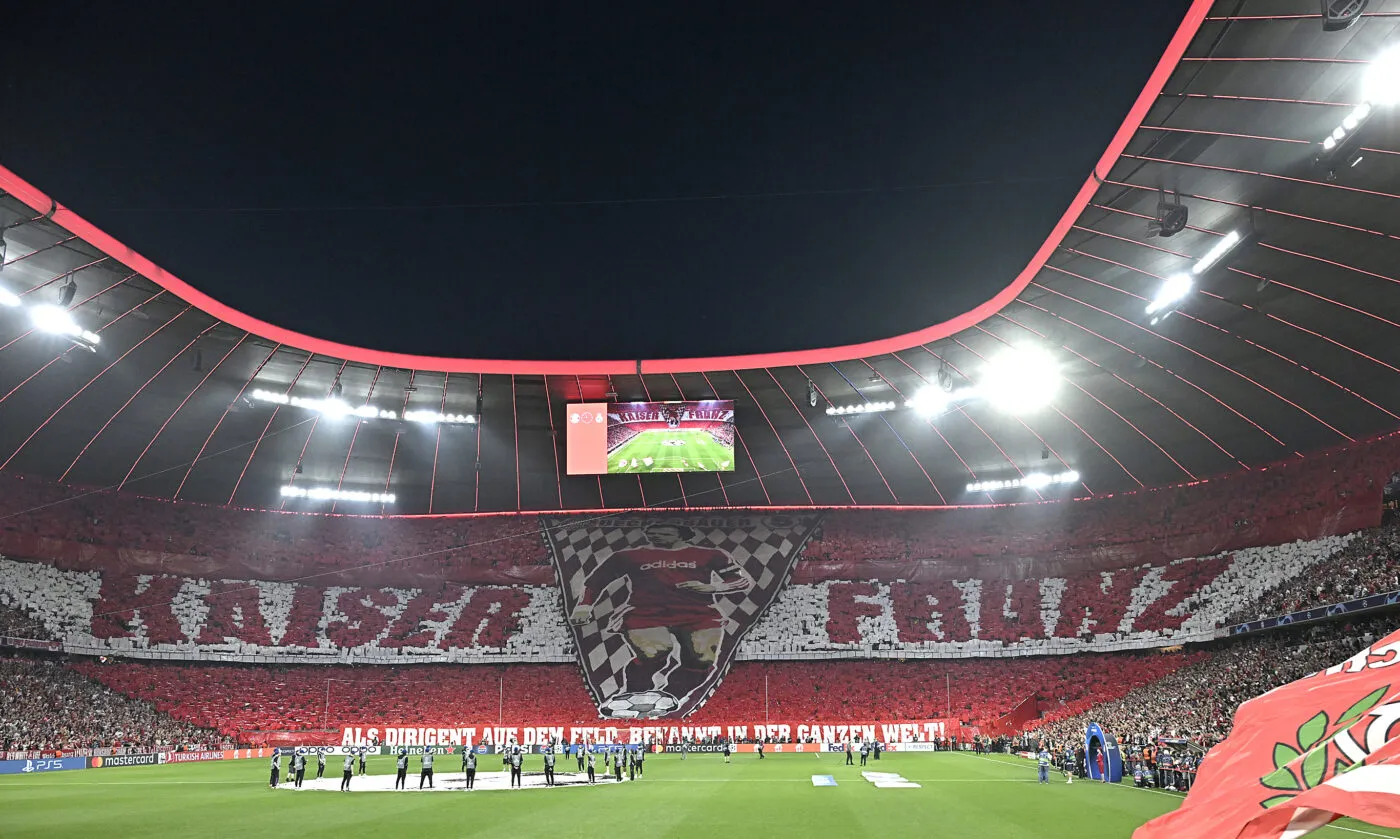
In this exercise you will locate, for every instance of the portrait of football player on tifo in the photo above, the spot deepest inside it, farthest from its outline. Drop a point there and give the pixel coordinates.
(670, 619)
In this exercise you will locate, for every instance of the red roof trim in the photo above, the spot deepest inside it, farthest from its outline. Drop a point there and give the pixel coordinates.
(75, 224)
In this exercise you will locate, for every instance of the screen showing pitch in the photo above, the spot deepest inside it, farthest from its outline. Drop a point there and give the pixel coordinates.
(650, 437)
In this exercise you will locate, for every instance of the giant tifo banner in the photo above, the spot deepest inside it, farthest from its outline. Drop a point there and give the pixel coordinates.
(658, 606)
(617, 614)
(662, 733)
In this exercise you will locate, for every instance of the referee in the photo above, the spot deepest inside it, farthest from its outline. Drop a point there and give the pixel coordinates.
(402, 766)
(515, 761)
(578, 753)
(591, 778)
(549, 766)
(299, 761)
(469, 766)
(276, 769)
(320, 763)
(426, 774)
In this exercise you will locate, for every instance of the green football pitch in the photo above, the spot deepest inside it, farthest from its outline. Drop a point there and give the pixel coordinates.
(667, 450)
(959, 795)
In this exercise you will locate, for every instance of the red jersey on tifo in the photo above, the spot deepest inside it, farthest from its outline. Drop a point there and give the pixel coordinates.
(655, 574)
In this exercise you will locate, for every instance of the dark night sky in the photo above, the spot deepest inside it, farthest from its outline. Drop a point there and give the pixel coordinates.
(577, 180)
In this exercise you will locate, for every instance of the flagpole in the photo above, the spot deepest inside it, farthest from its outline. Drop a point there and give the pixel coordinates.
(765, 697)
(948, 682)
(326, 708)
(501, 707)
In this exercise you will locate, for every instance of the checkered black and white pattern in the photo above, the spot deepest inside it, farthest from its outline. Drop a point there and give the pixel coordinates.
(764, 546)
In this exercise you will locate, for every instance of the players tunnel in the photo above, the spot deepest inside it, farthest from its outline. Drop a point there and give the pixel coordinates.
(1099, 743)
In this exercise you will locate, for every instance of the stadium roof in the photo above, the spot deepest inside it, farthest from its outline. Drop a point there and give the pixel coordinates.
(1282, 345)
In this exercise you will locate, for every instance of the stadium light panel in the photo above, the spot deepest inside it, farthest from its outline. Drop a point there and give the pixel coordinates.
(1020, 380)
(1382, 83)
(1217, 252)
(432, 417)
(1343, 144)
(9, 298)
(333, 494)
(335, 408)
(1033, 480)
(1036, 480)
(52, 319)
(862, 408)
(931, 400)
(1173, 291)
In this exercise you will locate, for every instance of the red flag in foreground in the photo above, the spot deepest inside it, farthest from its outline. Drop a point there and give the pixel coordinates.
(1302, 755)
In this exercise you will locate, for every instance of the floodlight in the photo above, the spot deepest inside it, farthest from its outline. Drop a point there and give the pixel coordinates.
(1037, 480)
(54, 319)
(861, 408)
(1217, 252)
(431, 417)
(930, 400)
(333, 494)
(332, 408)
(1173, 291)
(1020, 380)
(1034, 480)
(1382, 83)
(8, 298)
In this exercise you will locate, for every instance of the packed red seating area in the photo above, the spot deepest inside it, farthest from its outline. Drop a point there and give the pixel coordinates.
(1369, 564)
(1269, 506)
(1262, 507)
(1198, 701)
(237, 700)
(974, 691)
(15, 623)
(46, 706)
(619, 434)
(876, 559)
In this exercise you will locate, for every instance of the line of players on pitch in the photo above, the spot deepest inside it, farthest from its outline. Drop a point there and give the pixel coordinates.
(633, 759)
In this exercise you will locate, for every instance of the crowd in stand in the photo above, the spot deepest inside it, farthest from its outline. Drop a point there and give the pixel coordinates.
(237, 700)
(19, 625)
(1369, 564)
(268, 545)
(1256, 507)
(1251, 508)
(973, 691)
(47, 706)
(1198, 701)
(621, 433)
